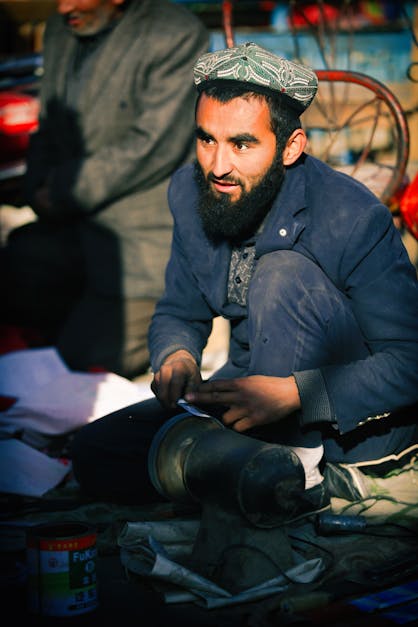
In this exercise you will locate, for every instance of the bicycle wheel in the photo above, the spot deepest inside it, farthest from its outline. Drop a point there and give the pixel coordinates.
(357, 125)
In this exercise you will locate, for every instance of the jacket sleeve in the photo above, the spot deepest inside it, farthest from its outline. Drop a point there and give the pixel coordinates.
(182, 318)
(381, 283)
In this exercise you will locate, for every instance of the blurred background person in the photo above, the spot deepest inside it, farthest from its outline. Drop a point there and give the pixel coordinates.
(116, 120)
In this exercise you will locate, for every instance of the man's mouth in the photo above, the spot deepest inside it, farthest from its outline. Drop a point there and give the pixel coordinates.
(73, 21)
(224, 186)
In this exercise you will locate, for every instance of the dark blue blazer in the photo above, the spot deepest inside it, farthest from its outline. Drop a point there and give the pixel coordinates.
(340, 225)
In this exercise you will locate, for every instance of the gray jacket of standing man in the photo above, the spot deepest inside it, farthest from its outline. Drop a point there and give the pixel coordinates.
(108, 153)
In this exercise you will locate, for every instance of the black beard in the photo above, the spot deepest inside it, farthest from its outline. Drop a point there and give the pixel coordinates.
(234, 222)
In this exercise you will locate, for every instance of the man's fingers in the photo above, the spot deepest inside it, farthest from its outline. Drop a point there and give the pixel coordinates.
(243, 424)
(219, 385)
(222, 391)
(234, 415)
(211, 398)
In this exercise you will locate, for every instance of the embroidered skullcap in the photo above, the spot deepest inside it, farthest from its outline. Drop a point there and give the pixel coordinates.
(259, 70)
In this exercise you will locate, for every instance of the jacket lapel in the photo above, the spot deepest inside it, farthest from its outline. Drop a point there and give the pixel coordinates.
(57, 66)
(286, 219)
(114, 50)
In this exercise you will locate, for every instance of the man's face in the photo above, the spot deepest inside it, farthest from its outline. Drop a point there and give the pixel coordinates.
(87, 17)
(239, 171)
(235, 144)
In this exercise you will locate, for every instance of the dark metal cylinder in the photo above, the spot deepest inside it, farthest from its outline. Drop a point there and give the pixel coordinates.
(198, 459)
(260, 480)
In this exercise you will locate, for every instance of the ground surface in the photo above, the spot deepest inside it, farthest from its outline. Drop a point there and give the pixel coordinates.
(357, 565)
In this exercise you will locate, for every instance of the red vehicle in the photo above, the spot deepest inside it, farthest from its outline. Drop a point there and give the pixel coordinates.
(19, 111)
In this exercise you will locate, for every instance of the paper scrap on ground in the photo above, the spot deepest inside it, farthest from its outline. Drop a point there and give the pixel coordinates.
(50, 400)
(54, 400)
(177, 536)
(26, 471)
(146, 555)
(24, 370)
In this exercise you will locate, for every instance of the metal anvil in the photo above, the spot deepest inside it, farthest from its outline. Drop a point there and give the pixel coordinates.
(247, 490)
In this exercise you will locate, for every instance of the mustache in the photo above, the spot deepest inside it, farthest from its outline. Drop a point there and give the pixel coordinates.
(71, 16)
(224, 179)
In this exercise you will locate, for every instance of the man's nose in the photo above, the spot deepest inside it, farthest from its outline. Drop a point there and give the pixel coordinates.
(222, 161)
(65, 6)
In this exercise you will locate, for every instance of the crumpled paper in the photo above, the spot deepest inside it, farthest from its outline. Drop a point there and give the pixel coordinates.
(48, 400)
(148, 549)
(52, 399)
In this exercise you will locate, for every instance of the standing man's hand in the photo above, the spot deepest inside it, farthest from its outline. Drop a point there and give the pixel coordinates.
(178, 375)
(252, 401)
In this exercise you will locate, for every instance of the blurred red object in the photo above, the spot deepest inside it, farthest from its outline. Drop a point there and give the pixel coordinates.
(19, 115)
(408, 207)
(14, 338)
(312, 14)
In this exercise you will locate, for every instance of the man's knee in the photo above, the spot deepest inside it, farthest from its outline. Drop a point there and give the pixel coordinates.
(280, 273)
(294, 305)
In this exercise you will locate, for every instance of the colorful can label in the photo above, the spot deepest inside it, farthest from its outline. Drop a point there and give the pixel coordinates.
(61, 563)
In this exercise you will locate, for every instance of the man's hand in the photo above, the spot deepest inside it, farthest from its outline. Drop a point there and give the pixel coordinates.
(253, 401)
(178, 375)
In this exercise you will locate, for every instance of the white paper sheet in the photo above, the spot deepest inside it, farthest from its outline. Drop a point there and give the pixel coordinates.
(26, 471)
(24, 370)
(54, 400)
(50, 400)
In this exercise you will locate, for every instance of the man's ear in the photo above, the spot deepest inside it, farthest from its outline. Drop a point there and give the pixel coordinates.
(294, 147)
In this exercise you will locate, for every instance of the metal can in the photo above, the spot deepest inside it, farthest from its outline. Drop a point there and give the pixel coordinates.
(61, 565)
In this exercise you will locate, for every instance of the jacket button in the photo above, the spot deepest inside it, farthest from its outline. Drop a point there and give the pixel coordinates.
(282, 232)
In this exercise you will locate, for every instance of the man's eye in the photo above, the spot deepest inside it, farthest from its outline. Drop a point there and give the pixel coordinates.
(241, 146)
